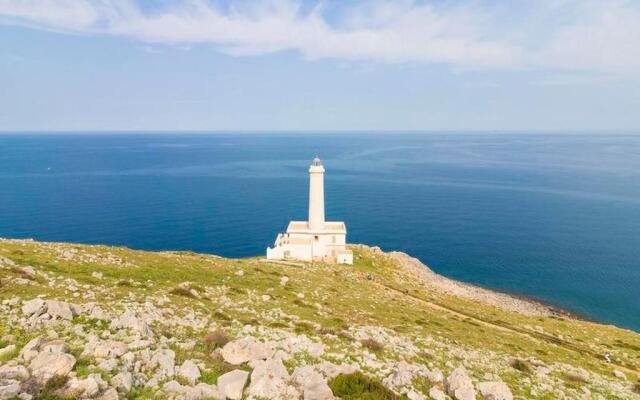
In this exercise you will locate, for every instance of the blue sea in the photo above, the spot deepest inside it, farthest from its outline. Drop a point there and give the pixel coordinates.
(553, 217)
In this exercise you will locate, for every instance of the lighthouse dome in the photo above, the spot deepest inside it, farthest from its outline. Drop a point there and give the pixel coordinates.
(316, 162)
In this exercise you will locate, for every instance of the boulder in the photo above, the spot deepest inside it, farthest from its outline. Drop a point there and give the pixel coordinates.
(413, 395)
(459, 385)
(47, 365)
(312, 383)
(206, 391)
(123, 382)
(109, 394)
(231, 384)
(495, 391)
(129, 320)
(105, 349)
(9, 390)
(330, 370)
(34, 307)
(31, 349)
(246, 349)
(5, 351)
(402, 375)
(54, 346)
(82, 388)
(270, 380)
(164, 360)
(61, 309)
(14, 372)
(189, 371)
(436, 394)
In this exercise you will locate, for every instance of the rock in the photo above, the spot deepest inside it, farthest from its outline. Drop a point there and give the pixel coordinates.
(495, 391)
(105, 349)
(436, 394)
(123, 382)
(9, 391)
(434, 376)
(312, 383)
(232, 384)
(413, 395)
(164, 359)
(97, 275)
(284, 280)
(206, 391)
(5, 351)
(189, 371)
(54, 346)
(47, 365)
(109, 394)
(34, 307)
(270, 380)
(129, 320)
(60, 309)
(31, 349)
(246, 349)
(459, 385)
(330, 370)
(85, 388)
(619, 374)
(14, 372)
(402, 375)
(108, 365)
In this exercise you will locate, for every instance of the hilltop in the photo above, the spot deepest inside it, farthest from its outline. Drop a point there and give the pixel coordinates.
(82, 321)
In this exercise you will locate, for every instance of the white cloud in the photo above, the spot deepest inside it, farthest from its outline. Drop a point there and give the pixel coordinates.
(561, 35)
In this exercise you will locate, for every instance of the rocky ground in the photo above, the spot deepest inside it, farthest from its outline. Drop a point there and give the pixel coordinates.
(98, 322)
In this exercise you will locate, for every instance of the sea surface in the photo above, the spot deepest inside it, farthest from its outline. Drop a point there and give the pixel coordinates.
(552, 217)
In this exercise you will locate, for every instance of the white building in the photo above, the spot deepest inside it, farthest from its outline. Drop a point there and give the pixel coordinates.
(315, 239)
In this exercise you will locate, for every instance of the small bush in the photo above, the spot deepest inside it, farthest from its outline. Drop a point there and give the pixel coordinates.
(217, 338)
(180, 291)
(372, 344)
(636, 387)
(357, 386)
(521, 365)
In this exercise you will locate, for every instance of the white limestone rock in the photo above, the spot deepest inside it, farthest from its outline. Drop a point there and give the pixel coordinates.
(164, 360)
(34, 307)
(31, 349)
(54, 346)
(9, 390)
(189, 371)
(231, 385)
(459, 385)
(83, 388)
(330, 370)
(61, 309)
(123, 382)
(7, 350)
(314, 386)
(129, 320)
(14, 371)
(495, 391)
(413, 395)
(109, 394)
(47, 365)
(270, 380)
(245, 349)
(436, 394)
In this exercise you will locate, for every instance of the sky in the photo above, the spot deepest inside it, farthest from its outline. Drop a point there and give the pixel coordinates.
(550, 65)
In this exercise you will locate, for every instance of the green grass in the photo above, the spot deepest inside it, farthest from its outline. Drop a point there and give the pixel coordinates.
(372, 292)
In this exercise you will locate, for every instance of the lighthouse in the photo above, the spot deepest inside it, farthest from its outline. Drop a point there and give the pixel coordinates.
(316, 195)
(315, 239)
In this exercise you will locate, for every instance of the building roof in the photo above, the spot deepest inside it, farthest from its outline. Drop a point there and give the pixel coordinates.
(336, 227)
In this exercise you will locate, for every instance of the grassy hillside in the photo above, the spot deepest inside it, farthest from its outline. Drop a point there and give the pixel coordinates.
(371, 314)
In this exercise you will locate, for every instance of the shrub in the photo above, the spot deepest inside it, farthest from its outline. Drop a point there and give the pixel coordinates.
(217, 338)
(636, 387)
(521, 365)
(181, 291)
(357, 386)
(372, 344)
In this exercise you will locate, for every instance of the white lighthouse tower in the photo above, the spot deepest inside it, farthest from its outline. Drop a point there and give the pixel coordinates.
(315, 239)
(316, 195)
